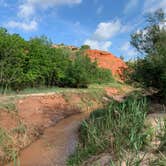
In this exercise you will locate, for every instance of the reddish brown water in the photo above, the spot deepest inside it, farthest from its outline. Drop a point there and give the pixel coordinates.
(56, 144)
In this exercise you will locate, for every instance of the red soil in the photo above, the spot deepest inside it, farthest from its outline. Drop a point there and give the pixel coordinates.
(7, 120)
(108, 61)
(44, 111)
(111, 91)
(115, 94)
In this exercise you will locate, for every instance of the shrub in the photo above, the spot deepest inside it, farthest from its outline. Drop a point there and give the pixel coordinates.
(118, 127)
(162, 137)
(81, 72)
(35, 63)
(85, 47)
(150, 42)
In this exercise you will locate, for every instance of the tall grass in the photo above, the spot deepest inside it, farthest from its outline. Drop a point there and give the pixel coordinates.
(5, 146)
(161, 157)
(118, 127)
(162, 138)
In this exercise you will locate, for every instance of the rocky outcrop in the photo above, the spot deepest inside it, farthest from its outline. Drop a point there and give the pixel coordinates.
(108, 61)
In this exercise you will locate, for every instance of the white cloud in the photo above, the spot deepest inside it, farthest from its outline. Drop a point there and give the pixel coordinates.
(106, 30)
(130, 6)
(162, 25)
(29, 26)
(126, 46)
(99, 45)
(128, 51)
(28, 8)
(152, 5)
(100, 39)
(27, 12)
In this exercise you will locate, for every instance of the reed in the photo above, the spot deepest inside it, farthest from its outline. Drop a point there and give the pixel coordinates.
(118, 127)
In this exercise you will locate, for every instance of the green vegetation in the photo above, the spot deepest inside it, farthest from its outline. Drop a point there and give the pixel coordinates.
(118, 127)
(150, 71)
(16, 160)
(5, 145)
(21, 129)
(160, 161)
(35, 63)
(161, 150)
(85, 47)
(91, 87)
(162, 136)
(8, 104)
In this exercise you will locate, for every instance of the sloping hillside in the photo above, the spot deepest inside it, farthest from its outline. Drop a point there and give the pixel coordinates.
(104, 59)
(108, 61)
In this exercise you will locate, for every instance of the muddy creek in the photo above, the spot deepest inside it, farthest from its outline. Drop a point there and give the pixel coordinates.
(55, 145)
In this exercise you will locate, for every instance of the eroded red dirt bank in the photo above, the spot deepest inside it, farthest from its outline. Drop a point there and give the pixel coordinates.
(32, 128)
(108, 61)
(34, 114)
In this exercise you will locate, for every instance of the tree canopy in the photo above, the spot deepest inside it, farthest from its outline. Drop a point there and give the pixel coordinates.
(151, 42)
(36, 63)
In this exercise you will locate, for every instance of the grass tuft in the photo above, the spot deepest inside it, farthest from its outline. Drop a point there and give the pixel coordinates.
(162, 137)
(118, 127)
(5, 146)
(21, 129)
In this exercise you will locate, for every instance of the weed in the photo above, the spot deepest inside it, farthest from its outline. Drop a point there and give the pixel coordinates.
(133, 160)
(127, 120)
(120, 126)
(160, 161)
(3, 137)
(9, 106)
(5, 145)
(21, 129)
(162, 138)
(15, 158)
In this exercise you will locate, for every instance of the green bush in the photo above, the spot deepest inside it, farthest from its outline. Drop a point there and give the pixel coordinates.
(150, 70)
(162, 138)
(35, 63)
(81, 72)
(85, 47)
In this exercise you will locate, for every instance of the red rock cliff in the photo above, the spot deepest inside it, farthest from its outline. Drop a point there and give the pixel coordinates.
(108, 61)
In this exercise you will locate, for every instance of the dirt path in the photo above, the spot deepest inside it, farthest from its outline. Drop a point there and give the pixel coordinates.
(56, 144)
(27, 95)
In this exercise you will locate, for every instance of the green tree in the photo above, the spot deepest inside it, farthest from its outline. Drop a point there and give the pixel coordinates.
(85, 47)
(151, 42)
(146, 39)
(12, 55)
(36, 63)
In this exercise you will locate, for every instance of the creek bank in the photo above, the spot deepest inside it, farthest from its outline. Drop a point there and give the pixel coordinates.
(34, 114)
(55, 145)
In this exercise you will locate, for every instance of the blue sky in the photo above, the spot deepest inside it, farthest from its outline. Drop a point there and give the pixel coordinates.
(103, 24)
